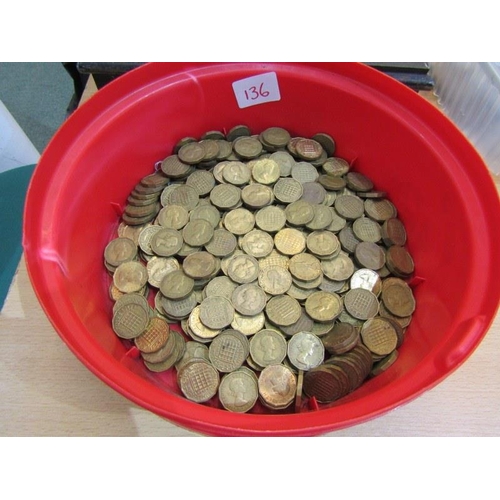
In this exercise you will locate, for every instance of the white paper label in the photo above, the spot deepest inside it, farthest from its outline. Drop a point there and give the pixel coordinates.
(257, 90)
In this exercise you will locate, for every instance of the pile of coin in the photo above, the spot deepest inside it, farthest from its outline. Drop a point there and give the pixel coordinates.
(286, 269)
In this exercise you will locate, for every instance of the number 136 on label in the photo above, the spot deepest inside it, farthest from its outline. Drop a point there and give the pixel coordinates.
(257, 90)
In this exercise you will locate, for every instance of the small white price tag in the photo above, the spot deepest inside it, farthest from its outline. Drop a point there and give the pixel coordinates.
(257, 90)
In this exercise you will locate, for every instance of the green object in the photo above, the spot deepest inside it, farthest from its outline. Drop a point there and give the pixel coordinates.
(13, 186)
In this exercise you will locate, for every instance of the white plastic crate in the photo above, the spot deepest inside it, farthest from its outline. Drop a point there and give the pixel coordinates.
(469, 94)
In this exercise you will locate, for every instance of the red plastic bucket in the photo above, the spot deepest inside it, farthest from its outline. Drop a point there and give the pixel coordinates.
(442, 189)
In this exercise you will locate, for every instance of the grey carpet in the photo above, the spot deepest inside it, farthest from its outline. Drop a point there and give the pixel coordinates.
(37, 96)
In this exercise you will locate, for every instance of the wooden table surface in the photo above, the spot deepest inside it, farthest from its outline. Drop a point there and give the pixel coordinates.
(46, 391)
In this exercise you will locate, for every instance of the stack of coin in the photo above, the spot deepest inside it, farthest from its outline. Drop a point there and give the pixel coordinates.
(278, 260)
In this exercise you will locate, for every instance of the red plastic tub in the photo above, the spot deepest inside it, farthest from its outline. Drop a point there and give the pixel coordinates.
(442, 189)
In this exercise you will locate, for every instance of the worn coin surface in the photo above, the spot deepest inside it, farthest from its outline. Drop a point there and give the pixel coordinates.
(238, 391)
(283, 310)
(166, 242)
(361, 304)
(228, 351)
(305, 351)
(268, 347)
(249, 299)
(176, 285)
(305, 266)
(275, 279)
(120, 250)
(198, 380)
(216, 312)
(323, 306)
(130, 277)
(290, 241)
(277, 386)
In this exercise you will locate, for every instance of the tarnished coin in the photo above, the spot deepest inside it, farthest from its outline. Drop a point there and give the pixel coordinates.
(154, 337)
(206, 212)
(384, 364)
(367, 229)
(257, 243)
(369, 255)
(243, 269)
(201, 181)
(277, 137)
(120, 250)
(176, 285)
(305, 351)
(358, 182)
(239, 221)
(194, 350)
(131, 298)
(225, 196)
(303, 324)
(249, 299)
(338, 223)
(326, 383)
(223, 243)
(322, 243)
(184, 196)
(399, 261)
(145, 237)
(398, 298)
(348, 240)
(288, 190)
(228, 351)
(201, 331)
(191, 153)
(130, 232)
(290, 241)
(285, 162)
(322, 218)
(130, 320)
(238, 391)
(177, 351)
(283, 310)
(275, 279)
(198, 380)
(268, 347)
(236, 173)
(327, 142)
(266, 171)
(305, 266)
(247, 147)
(274, 259)
(323, 306)
(361, 304)
(211, 149)
(304, 172)
(335, 166)
(270, 219)
(339, 268)
(393, 232)
(349, 207)
(216, 312)
(380, 210)
(313, 193)
(221, 286)
(248, 325)
(199, 265)
(174, 168)
(379, 335)
(257, 196)
(179, 308)
(173, 216)
(332, 183)
(197, 233)
(341, 338)
(166, 242)
(308, 149)
(277, 386)
(130, 277)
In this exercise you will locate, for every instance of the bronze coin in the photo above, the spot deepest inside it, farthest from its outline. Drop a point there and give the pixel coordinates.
(393, 232)
(399, 261)
(379, 335)
(326, 383)
(341, 338)
(358, 182)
